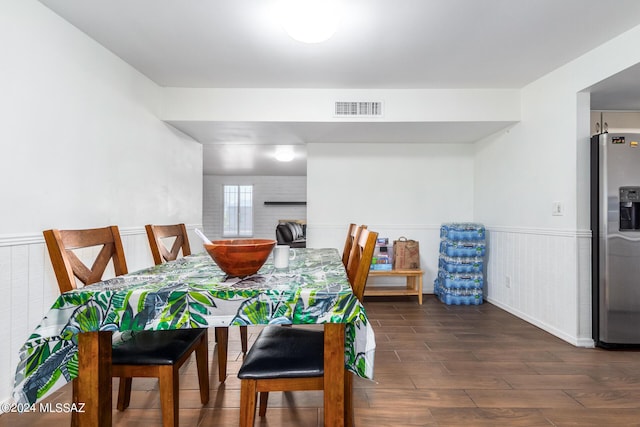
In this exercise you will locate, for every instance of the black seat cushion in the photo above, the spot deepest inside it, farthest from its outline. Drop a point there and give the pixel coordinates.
(155, 347)
(283, 352)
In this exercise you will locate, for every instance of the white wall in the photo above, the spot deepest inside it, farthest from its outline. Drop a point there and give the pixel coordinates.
(396, 189)
(81, 147)
(521, 172)
(265, 188)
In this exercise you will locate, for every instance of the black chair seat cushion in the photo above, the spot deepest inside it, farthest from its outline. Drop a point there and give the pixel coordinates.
(155, 347)
(283, 352)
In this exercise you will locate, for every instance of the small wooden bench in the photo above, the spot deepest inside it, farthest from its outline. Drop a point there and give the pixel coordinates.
(414, 283)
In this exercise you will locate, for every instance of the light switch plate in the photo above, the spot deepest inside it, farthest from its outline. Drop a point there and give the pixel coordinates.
(557, 209)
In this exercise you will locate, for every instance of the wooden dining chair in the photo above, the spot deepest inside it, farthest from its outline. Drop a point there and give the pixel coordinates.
(360, 261)
(355, 235)
(158, 354)
(157, 236)
(292, 359)
(348, 243)
(352, 236)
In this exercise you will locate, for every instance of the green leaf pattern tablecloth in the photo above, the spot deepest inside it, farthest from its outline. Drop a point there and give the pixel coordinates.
(193, 292)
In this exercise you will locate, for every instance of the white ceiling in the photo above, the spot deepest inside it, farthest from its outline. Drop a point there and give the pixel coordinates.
(380, 44)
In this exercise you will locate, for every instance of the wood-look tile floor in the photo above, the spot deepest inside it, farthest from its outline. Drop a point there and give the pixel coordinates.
(436, 365)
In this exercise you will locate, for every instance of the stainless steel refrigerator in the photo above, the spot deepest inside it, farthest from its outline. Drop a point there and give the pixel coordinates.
(615, 225)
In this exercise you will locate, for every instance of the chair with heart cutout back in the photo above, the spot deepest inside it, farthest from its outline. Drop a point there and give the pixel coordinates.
(158, 354)
(157, 236)
(292, 359)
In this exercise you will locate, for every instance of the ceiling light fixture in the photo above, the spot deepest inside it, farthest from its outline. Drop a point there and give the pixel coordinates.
(284, 153)
(310, 21)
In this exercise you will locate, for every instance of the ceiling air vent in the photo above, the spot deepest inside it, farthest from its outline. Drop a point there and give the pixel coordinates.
(358, 109)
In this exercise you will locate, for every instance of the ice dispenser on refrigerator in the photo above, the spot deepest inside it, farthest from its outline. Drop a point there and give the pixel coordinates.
(629, 208)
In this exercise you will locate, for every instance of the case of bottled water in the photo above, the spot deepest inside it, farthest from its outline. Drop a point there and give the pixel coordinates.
(460, 280)
(462, 248)
(460, 297)
(462, 231)
(461, 264)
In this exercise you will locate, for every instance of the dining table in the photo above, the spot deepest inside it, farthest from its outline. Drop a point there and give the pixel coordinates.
(75, 337)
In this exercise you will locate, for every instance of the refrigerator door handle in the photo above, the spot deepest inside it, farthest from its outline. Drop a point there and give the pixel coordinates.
(622, 236)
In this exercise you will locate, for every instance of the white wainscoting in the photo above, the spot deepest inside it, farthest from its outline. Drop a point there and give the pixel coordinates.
(542, 276)
(28, 288)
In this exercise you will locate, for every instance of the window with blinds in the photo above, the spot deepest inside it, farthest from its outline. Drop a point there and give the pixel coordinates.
(238, 211)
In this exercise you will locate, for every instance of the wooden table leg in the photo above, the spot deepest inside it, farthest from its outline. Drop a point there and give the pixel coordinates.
(334, 375)
(222, 338)
(94, 379)
(348, 399)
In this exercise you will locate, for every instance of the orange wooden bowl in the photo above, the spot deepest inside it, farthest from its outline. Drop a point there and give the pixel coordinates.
(240, 257)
